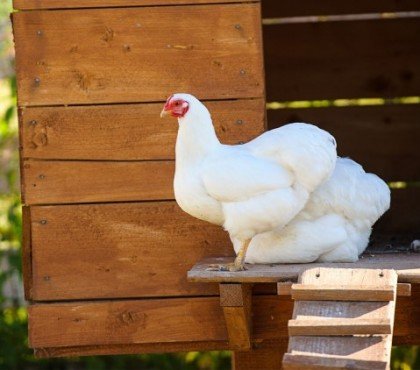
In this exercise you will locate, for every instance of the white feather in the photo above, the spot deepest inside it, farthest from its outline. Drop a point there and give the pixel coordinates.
(251, 188)
(335, 224)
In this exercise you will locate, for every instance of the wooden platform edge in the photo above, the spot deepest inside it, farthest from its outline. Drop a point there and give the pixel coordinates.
(407, 266)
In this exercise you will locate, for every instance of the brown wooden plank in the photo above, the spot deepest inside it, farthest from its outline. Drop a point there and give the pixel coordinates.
(57, 182)
(331, 60)
(103, 321)
(62, 4)
(293, 8)
(336, 327)
(26, 253)
(129, 321)
(236, 300)
(285, 289)
(405, 264)
(125, 349)
(126, 132)
(380, 138)
(306, 292)
(108, 247)
(134, 54)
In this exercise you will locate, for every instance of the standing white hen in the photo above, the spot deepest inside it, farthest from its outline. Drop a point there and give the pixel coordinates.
(248, 189)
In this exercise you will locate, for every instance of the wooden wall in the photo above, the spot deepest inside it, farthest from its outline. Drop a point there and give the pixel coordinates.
(106, 249)
(356, 57)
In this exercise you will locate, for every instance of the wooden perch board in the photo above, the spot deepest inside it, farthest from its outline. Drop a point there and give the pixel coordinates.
(407, 267)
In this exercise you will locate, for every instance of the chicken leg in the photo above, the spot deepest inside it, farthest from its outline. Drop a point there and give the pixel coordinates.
(237, 265)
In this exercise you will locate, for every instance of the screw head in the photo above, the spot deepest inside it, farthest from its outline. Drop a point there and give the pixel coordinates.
(41, 177)
(37, 80)
(238, 26)
(39, 33)
(32, 122)
(241, 142)
(43, 222)
(239, 122)
(242, 72)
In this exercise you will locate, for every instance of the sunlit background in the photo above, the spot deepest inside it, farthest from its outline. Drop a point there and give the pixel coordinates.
(14, 352)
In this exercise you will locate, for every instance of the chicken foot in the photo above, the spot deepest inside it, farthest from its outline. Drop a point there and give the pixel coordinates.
(237, 265)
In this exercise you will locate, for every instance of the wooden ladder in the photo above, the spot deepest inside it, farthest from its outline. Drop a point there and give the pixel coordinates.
(342, 319)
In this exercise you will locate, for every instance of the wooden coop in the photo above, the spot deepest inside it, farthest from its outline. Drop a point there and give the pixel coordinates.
(106, 249)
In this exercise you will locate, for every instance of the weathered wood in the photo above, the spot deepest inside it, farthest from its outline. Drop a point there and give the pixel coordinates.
(58, 182)
(126, 132)
(285, 288)
(367, 347)
(342, 326)
(138, 54)
(314, 323)
(378, 137)
(311, 60)
(236, 302)
(305, 292)
(62, 4)
(259, 358)
(26, 253)
(107, 248)
(405, 264)
(271, 314)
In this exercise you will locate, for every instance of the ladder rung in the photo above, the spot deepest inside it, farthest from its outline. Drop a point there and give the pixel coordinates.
(338, 326)
(305, 362)
(371, 293)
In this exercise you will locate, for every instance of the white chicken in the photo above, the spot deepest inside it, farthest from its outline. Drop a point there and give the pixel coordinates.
(248, 189)
(335, 224)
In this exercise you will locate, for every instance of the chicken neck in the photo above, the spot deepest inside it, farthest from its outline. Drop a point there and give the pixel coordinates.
(196, 137)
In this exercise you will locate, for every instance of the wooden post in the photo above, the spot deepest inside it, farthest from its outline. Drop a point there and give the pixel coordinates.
(236, 301)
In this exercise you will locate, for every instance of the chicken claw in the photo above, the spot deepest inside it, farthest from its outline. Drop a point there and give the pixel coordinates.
(231, 267)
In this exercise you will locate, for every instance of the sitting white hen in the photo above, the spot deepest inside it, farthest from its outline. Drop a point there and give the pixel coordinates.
(248, 189)
(335, 224)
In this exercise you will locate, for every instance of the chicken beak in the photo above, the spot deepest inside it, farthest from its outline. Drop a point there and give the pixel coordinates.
(164, 113)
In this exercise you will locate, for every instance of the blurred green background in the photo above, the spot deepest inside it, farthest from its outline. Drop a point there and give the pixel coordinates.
(14, 352)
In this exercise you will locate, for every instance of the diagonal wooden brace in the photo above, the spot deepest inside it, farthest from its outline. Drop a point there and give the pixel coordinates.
(236, 301)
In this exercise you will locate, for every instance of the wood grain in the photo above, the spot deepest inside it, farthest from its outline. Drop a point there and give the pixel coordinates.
(108, 248)
(126, 132)
(380, 138)
(331, 60)
(236, 301)
(26, 253)
(87, 325)
(336, 327)
(405, 264)
(62, 4)
(293, 8)
(348, 356)
(305, 292)
(285, 288)
(58, 182)
(138, 54)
